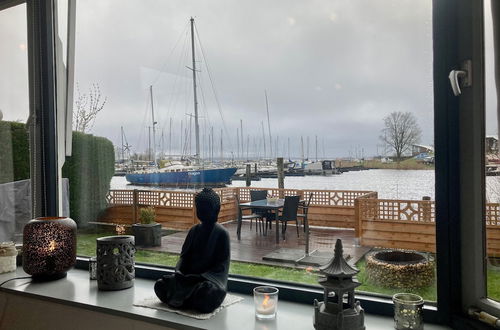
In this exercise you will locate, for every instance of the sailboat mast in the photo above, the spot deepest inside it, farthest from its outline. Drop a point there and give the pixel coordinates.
(123, 146)
(269, 127)
(263, 138)
(221, 150)
(316, 148)
(154, 123)
(196, 126)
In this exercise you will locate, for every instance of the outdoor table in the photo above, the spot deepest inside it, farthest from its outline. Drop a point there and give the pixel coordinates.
(264, 205)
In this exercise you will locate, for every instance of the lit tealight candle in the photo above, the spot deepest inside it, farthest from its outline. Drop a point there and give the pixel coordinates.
(268, 307)
(266, 302)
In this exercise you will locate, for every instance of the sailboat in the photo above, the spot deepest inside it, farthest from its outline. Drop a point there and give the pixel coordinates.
(177, 174)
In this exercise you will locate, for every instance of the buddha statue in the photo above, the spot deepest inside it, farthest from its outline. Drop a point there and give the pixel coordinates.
(200, 279)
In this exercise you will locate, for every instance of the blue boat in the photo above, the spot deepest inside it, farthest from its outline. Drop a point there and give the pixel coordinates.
(216, 177)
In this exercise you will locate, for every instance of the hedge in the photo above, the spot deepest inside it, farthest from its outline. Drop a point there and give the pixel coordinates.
(14, 152)
(89, 169)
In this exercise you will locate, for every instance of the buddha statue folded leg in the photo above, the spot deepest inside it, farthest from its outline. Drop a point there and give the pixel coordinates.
(206, 297)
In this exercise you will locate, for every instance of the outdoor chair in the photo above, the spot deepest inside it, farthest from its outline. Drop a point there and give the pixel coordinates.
(250, 217)
(257, 195)
(289, 213)
(305, 210)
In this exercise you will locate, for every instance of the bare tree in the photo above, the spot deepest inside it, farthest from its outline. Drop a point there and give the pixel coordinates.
(87, 106)
(401, 131)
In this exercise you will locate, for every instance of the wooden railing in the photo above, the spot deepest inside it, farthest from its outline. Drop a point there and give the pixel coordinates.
(410, 224)
(175, 209)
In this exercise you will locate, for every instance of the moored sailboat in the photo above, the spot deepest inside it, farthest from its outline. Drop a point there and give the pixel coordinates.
(177, 174)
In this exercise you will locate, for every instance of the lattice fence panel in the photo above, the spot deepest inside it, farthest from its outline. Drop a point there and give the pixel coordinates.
(397, 210)
(492, 214)
(120, 197)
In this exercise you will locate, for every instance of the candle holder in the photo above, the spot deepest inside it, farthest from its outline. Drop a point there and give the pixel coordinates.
(49, 247)
(93, 268)
(408, 311)
(266, 302)
(115, 262)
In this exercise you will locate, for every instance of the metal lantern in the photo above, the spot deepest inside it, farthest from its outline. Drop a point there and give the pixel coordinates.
(115, 262)
(339, 310)
(49, 247)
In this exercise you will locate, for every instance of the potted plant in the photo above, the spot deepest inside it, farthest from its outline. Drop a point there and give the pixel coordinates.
(148, 232)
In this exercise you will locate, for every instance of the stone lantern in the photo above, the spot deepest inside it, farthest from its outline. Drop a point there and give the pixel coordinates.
(339, 310)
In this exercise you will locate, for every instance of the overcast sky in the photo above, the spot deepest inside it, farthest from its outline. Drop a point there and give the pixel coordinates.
(331, 68)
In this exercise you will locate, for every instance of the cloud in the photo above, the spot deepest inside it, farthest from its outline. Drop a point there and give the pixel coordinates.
(337, 81)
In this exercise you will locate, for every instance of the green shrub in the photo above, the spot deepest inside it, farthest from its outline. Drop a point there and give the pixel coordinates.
(14, 152)
(148, 215)
(89, 170)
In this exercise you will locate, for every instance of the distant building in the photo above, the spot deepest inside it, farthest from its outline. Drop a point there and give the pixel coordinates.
(418, 149)
(491, 144)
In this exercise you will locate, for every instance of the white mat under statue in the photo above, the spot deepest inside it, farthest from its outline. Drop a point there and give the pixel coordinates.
(155, 303)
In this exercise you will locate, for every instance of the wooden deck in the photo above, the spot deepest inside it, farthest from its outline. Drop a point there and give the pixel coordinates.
(254, 246)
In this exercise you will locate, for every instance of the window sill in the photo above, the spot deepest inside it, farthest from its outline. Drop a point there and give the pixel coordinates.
(77, 290)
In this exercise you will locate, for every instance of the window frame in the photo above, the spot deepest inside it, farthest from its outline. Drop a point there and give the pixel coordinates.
(454, 252)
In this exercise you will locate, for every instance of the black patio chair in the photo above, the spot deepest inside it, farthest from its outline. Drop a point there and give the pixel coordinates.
(257, 195)
(305, 210)
(250, 217)
(289, 213)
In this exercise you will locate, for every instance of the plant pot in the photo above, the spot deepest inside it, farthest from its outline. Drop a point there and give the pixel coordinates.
(147, 234)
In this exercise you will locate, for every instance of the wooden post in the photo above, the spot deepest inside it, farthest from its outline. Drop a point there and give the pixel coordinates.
(357, 227)
(248, 176)
(135, 201)
(281, 176)
(256, 170)
(426, 208)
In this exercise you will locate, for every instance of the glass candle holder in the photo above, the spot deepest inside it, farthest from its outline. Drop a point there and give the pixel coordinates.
(266, 302)
(93, 268)
(408, 311)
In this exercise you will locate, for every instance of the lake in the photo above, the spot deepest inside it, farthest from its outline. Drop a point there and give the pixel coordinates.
(390, 184)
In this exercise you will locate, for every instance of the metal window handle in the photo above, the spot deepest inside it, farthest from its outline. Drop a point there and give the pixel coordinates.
(465, 76)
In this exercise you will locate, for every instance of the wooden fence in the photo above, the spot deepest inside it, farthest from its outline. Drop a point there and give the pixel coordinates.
(410, 224)
(176, 209)
(405, 224)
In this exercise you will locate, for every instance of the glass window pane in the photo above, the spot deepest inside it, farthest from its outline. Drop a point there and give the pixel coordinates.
(328, 86)
(492, 161)
(15, 193)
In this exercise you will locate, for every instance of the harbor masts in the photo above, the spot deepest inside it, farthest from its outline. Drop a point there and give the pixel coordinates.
(316, 148)
(302, 147)
(289, 158)
(154, 124)
(196, 126)
(242, 142)
(238, 142)
(269, 127)
(221, 153)
(307, 155)
(123, 146)
(263, 138)
(170, 140)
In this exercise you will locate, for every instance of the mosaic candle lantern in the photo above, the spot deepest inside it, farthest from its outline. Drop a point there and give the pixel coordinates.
(115, 262)
(339, 310)
(49, 247)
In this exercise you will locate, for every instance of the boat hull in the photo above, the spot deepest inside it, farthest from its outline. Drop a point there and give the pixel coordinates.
(194, 178)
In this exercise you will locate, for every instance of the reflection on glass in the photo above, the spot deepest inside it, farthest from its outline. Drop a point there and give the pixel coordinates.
(15, 198)
(492, 207)
(168, 99)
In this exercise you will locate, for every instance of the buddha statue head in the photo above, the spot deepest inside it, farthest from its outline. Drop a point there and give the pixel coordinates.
(207, 206)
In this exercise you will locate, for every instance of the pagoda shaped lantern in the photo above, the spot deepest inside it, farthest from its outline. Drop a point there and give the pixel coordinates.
(339, 310)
